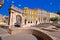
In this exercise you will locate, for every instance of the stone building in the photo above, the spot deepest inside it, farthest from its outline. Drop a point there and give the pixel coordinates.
(3, 21)
(6, 19)
(53, 15)
(43, 16)
(16, 16)
(1, 18)
(27, 16)
(31, 15)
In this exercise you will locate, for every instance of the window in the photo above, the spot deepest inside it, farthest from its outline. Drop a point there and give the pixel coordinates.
(32, 12)
(29, 12)
(30, 16)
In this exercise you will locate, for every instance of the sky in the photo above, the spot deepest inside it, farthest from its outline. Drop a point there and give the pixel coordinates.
(49, 5)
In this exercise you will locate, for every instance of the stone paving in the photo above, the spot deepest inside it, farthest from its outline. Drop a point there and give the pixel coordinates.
(54, 34)
(3, 32)
(20, 37)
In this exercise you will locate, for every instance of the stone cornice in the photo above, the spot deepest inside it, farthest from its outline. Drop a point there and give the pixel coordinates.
(16, 9)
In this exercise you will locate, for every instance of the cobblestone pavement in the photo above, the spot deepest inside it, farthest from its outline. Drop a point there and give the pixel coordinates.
(3, 32)
(20, 37)
(50, 30)
(54, 34)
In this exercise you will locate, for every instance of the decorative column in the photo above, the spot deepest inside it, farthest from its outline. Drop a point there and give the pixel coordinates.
(10, 19)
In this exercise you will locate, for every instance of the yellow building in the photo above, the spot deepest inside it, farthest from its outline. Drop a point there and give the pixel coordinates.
(31, 16)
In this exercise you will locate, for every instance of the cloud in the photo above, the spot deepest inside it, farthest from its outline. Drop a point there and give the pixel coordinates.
(13, 2)
(51, 3)
(19, 5)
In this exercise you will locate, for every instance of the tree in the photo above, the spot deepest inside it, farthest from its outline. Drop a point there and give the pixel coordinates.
(59, 19)
(58, 13)
(54, 19)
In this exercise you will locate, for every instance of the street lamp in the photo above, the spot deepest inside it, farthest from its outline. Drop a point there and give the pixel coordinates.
(1, 3)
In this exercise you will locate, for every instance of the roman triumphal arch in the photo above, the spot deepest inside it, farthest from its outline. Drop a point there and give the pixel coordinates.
(16, 16)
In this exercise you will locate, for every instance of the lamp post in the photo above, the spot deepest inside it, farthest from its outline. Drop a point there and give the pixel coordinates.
(1, 3)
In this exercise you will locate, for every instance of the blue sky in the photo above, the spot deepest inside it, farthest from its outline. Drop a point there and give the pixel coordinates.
(49, 5)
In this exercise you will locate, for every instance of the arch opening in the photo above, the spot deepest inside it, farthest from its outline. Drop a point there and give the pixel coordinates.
(18, 21)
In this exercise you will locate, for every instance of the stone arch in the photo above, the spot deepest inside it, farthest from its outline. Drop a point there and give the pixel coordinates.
(13, 12)
(13, 18)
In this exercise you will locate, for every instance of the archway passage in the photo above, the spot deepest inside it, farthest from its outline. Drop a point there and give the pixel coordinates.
(15, 17)
(18, 21)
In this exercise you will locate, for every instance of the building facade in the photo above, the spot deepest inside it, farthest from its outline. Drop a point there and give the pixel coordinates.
(53, 15)
(31, 16)
(43, 16)
(1, 18)
(15, 16)
(6, 18)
